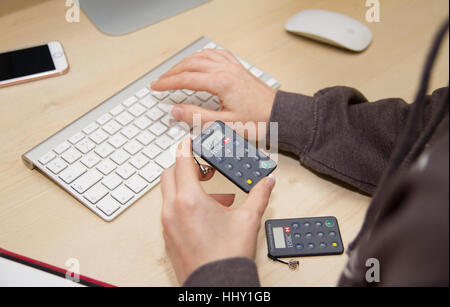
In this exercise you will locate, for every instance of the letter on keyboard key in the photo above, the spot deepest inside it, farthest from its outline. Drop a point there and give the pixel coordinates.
(90, 128)
(106, 167)
(71, 155)
(203, 95)
(143, 92)
(164, 142)
(61, 148)
(158, 128)
(120, 157)
(90, 160)
(125, 171)
(122, 194)
(98, 136)
(166, 159)
(104, 119)
(72, 172)
(76, 138)
(49, 156)
(136, 184)
(130, 101)
(56, 166)
(96, 193)
(108, 205)
(148, 102)
(151, 151)
(151, 172)
(86, 181)
(112, 181)
(145, 138)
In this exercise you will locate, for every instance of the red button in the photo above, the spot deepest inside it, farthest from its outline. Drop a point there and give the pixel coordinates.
(227, 140)
(287, 229)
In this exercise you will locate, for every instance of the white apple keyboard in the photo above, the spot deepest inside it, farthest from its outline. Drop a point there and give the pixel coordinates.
(112, 155)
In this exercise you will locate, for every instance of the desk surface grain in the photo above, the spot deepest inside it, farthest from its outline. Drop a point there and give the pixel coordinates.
(40, 220)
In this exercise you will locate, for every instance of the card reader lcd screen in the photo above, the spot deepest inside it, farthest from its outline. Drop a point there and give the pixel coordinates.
(278, 236)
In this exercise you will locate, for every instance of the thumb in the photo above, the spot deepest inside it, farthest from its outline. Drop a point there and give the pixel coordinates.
(187, 112)
(259, 195)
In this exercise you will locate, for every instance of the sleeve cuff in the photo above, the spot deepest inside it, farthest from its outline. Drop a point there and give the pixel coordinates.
(296, 116)
(232, 272)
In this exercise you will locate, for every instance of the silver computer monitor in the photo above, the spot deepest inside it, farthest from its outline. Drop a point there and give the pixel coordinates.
(118, 17)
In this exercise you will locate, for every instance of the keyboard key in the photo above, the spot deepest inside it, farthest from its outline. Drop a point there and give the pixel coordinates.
(165, 106)
(112, 127)
(106, 167)
(151, 172)
(126, 171)
(188, 92)
(271, 82)
(120, 156)
(108, 205)
(145, 138)
(117, 140)
(90, 160)
(130, 131)
(193, 100)
(112, 181)
(210, 45)
(104, 150)
(151, 151)
(211, 105)
(86, 181)
(104, 119)
(166, 159)
(155, 114)
(61, 148)
(160, 95)
(136, 184)
(85, 146)
(72, 172)
(117, 110)
(164, 142)
(142, 122)
(125, 118)
(178, 97)
(137, 110)
(139, 161)
(56, 166)
(130, 101)
(169, 120)
(143, 92)
(96, 193)
(71, 155)
(76, 138)
(49, 156)
(256, 72)
(176, 132)
(204, 96)
(90, 128)
(148, 102)
(122, 194)
(158, 129)
(244, 63)
(133, 147)
(98, 136)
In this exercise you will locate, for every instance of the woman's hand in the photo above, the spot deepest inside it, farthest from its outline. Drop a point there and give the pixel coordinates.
(198, 227)
(244, 98)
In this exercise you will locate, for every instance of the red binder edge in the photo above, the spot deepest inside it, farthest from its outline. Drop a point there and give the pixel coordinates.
(84, 280)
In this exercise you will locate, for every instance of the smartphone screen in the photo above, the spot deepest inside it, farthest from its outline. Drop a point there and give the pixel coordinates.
(25, 62)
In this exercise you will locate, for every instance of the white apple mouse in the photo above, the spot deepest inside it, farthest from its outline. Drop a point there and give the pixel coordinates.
(331, 28)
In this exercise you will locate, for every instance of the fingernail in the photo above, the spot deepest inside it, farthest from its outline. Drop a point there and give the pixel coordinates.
(270, 181)
(176, 112)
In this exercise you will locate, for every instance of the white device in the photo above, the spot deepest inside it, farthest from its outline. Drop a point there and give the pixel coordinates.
(331, 28)
(115, 153)
(32, 63)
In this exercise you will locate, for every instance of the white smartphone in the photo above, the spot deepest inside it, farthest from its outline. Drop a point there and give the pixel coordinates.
(32, 63)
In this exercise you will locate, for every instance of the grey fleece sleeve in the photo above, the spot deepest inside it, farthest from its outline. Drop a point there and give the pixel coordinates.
(232, 272)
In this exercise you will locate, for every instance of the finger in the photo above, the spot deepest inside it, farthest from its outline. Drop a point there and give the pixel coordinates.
(168, 185)
(191, 113)
(194, 65)
(227, 54)
(195, 81)
(224, 199)
(259, 195)
(186, 170)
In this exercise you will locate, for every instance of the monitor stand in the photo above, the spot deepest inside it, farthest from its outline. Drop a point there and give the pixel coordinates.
(118, 17)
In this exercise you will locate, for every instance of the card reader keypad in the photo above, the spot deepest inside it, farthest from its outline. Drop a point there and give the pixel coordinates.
(303, 237)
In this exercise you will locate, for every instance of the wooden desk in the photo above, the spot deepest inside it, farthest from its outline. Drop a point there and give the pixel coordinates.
(40, 220)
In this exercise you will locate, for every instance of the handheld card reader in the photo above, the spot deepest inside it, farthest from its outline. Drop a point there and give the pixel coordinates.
(233, 156)
(297, 237)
